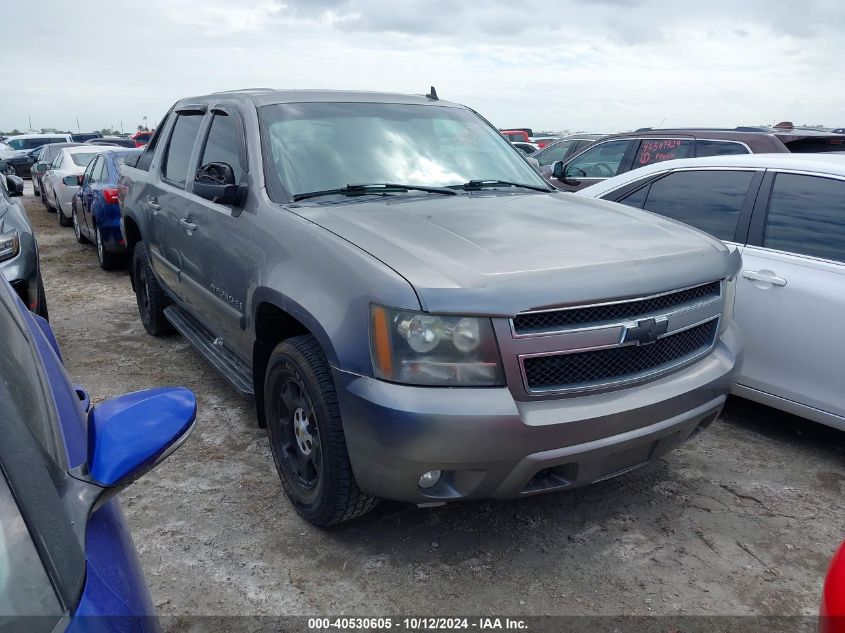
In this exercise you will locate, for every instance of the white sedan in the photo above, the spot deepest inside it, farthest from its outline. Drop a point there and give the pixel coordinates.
(61, 181)
(786, 214)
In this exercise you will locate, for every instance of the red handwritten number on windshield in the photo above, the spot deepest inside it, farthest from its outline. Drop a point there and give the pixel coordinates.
(660, 147)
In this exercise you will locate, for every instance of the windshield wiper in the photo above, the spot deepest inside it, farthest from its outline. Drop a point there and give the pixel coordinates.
(374, 188)
(474, 185)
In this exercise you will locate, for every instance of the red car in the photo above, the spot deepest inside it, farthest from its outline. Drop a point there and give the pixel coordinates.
(832, 611)
(141, 138)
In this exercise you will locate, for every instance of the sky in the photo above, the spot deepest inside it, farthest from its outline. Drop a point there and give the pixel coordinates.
(596, 66)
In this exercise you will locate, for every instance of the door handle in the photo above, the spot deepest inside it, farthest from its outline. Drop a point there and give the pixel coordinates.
(188, 224)
(765, 276)
(153, 202)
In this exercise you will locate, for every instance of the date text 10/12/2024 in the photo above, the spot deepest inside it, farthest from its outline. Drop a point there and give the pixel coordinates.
(416, 624)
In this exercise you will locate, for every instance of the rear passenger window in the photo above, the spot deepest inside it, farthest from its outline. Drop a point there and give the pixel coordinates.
(807, 216)
(659, 149)
(145, 159)
(719, 148)
(178, 157)
(708, 200)
(636, 198)
(222, 144)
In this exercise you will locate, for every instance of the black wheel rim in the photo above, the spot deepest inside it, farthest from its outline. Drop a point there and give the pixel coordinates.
(298, 441)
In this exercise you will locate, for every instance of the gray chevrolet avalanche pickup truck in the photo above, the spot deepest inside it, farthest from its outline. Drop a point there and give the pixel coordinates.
(419, 316)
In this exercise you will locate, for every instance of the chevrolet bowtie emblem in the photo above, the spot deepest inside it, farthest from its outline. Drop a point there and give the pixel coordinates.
(645, 332)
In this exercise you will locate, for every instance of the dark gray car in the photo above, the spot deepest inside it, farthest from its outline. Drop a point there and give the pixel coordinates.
(18, 248)
(419, 316)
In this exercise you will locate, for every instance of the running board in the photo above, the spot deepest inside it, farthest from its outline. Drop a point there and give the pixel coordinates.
(227, 363)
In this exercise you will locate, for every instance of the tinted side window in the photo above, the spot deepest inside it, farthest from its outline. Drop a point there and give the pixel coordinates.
(178, 156)
(146, 158)
(25, 588)
(718, 148)
(222, 144)
(21, 393)
(636, 198)
(87, 177)
(708, 200)
(659, 149)
(807, 216)
(554, 153)
(99, 173)
(601, 161)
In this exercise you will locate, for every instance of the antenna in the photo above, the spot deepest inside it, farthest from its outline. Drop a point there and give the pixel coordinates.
(432, 95)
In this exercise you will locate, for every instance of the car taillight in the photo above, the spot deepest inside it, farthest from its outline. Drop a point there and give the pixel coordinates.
(110, 196)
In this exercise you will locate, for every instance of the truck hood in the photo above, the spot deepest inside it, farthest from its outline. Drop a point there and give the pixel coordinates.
(498, 254)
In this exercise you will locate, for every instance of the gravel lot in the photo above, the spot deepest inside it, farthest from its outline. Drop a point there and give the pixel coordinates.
(742, 520)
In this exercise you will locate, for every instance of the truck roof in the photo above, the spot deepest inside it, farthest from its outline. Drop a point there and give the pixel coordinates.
(269, 96)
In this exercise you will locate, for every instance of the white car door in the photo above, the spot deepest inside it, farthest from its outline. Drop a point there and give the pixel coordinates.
(790, 299)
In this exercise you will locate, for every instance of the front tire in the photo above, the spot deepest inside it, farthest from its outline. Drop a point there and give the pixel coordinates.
(151, 298)
(306, 435)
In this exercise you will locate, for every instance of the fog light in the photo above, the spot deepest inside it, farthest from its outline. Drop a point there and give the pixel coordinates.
(430, 478)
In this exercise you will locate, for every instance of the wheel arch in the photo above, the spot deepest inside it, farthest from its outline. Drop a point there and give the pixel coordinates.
(277, 318)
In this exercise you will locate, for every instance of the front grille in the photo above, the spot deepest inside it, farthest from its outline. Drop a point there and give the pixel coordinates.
(565, 371)
(535, 322)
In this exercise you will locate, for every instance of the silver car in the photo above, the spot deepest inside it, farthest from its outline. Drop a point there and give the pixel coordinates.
(18, 248)
(61, 181)
(786, 214)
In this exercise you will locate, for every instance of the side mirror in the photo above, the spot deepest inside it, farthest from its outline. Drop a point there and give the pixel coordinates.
(216, 182)
(72, 181)
(14, 184)
(561, 172)
(131, 434)
(42, 167)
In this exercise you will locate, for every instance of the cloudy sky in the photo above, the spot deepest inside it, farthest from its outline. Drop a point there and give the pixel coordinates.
(603, 65)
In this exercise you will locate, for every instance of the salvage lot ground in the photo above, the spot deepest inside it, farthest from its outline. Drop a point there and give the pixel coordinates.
(741, 520)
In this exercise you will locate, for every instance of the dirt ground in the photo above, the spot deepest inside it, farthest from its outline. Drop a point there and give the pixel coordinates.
(742, 520)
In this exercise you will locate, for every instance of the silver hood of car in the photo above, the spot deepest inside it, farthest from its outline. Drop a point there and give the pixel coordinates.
(499, 254)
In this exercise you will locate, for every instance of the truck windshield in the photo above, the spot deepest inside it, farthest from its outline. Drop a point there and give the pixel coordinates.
(324, 146)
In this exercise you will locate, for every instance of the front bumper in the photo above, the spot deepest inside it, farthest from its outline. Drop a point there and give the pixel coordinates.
(489, 445)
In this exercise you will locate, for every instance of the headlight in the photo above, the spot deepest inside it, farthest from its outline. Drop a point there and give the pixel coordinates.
(10, 245)
(730, 299)
(418, 348)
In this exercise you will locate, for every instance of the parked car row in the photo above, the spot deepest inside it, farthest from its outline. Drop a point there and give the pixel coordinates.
(618, 153)
(20, 152)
